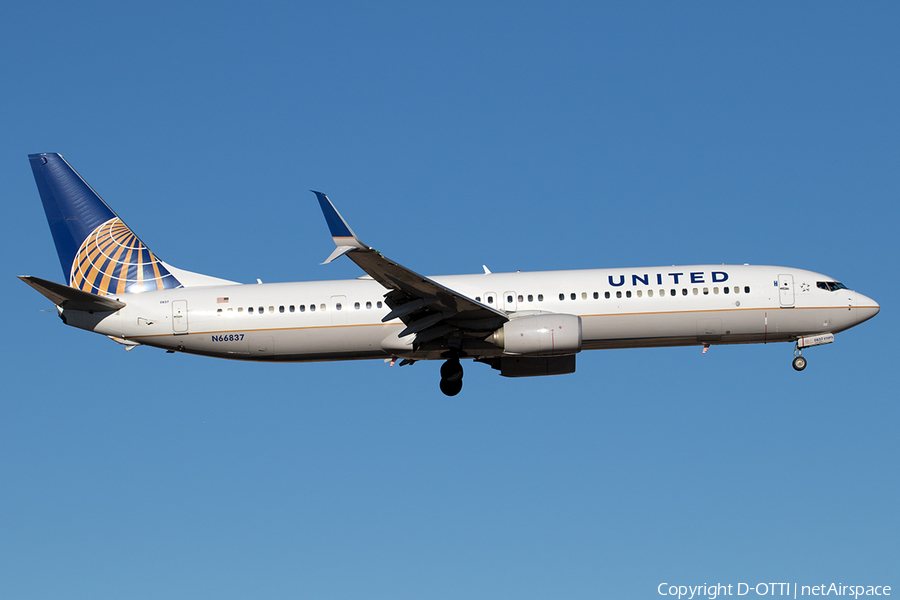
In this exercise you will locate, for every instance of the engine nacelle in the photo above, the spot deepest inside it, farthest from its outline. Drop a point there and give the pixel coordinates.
(545, 335)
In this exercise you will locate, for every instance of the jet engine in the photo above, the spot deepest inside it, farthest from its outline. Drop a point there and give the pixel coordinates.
(547, 334)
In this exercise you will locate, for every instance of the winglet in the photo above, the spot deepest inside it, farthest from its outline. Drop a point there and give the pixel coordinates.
(340, 231)
(343, 236)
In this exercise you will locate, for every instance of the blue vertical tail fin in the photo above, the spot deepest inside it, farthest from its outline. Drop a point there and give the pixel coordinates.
(98, 252)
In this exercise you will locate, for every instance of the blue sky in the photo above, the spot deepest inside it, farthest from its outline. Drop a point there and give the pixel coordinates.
(517, 135)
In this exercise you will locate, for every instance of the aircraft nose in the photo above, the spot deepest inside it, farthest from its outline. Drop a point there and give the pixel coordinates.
(866, 308)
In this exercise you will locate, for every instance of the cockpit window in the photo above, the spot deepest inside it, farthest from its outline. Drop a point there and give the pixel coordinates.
(831, 286)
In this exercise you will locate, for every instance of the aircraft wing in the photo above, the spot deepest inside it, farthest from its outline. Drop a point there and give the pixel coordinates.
(429, 309)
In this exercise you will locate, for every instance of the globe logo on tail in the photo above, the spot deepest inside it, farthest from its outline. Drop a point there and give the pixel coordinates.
(113, 260)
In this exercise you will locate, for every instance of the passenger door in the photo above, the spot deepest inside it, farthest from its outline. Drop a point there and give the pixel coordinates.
(786, 291)
(179, 317)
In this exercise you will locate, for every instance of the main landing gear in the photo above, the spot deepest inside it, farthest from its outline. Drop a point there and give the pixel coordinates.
(799, 363)
(451, 377)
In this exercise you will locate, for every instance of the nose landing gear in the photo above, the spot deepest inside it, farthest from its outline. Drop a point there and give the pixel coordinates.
(807, 341)
(451, 377)
(799, 363)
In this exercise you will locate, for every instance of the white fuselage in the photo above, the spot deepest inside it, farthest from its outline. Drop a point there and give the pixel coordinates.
(619, 308)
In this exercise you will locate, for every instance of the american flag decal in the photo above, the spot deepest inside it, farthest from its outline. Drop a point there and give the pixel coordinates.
(222, 300)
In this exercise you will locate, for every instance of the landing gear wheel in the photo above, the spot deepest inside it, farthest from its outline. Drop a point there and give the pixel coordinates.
(799, 363)
(451, 370)
(451, 377)
(451, 388)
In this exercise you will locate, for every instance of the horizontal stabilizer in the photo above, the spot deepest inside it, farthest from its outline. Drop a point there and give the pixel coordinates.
(71, 298)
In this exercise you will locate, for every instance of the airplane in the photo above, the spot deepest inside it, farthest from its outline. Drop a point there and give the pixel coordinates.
(522, 324)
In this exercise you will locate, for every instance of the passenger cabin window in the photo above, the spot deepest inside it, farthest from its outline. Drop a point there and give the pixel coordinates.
(530, 298)
(368, 305)
(509, 299)
(596, 295)
(726, 290)
(562, 296)
(520, 298)
(573, 295)
(291, 308)
(312, 308)
(606, 295)
(356, 305)
(540, 297)
(250, 310)
(302, 308)
(378, 304)
(281, 309)
(337, 306)
(618, 294)
(746, 289)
